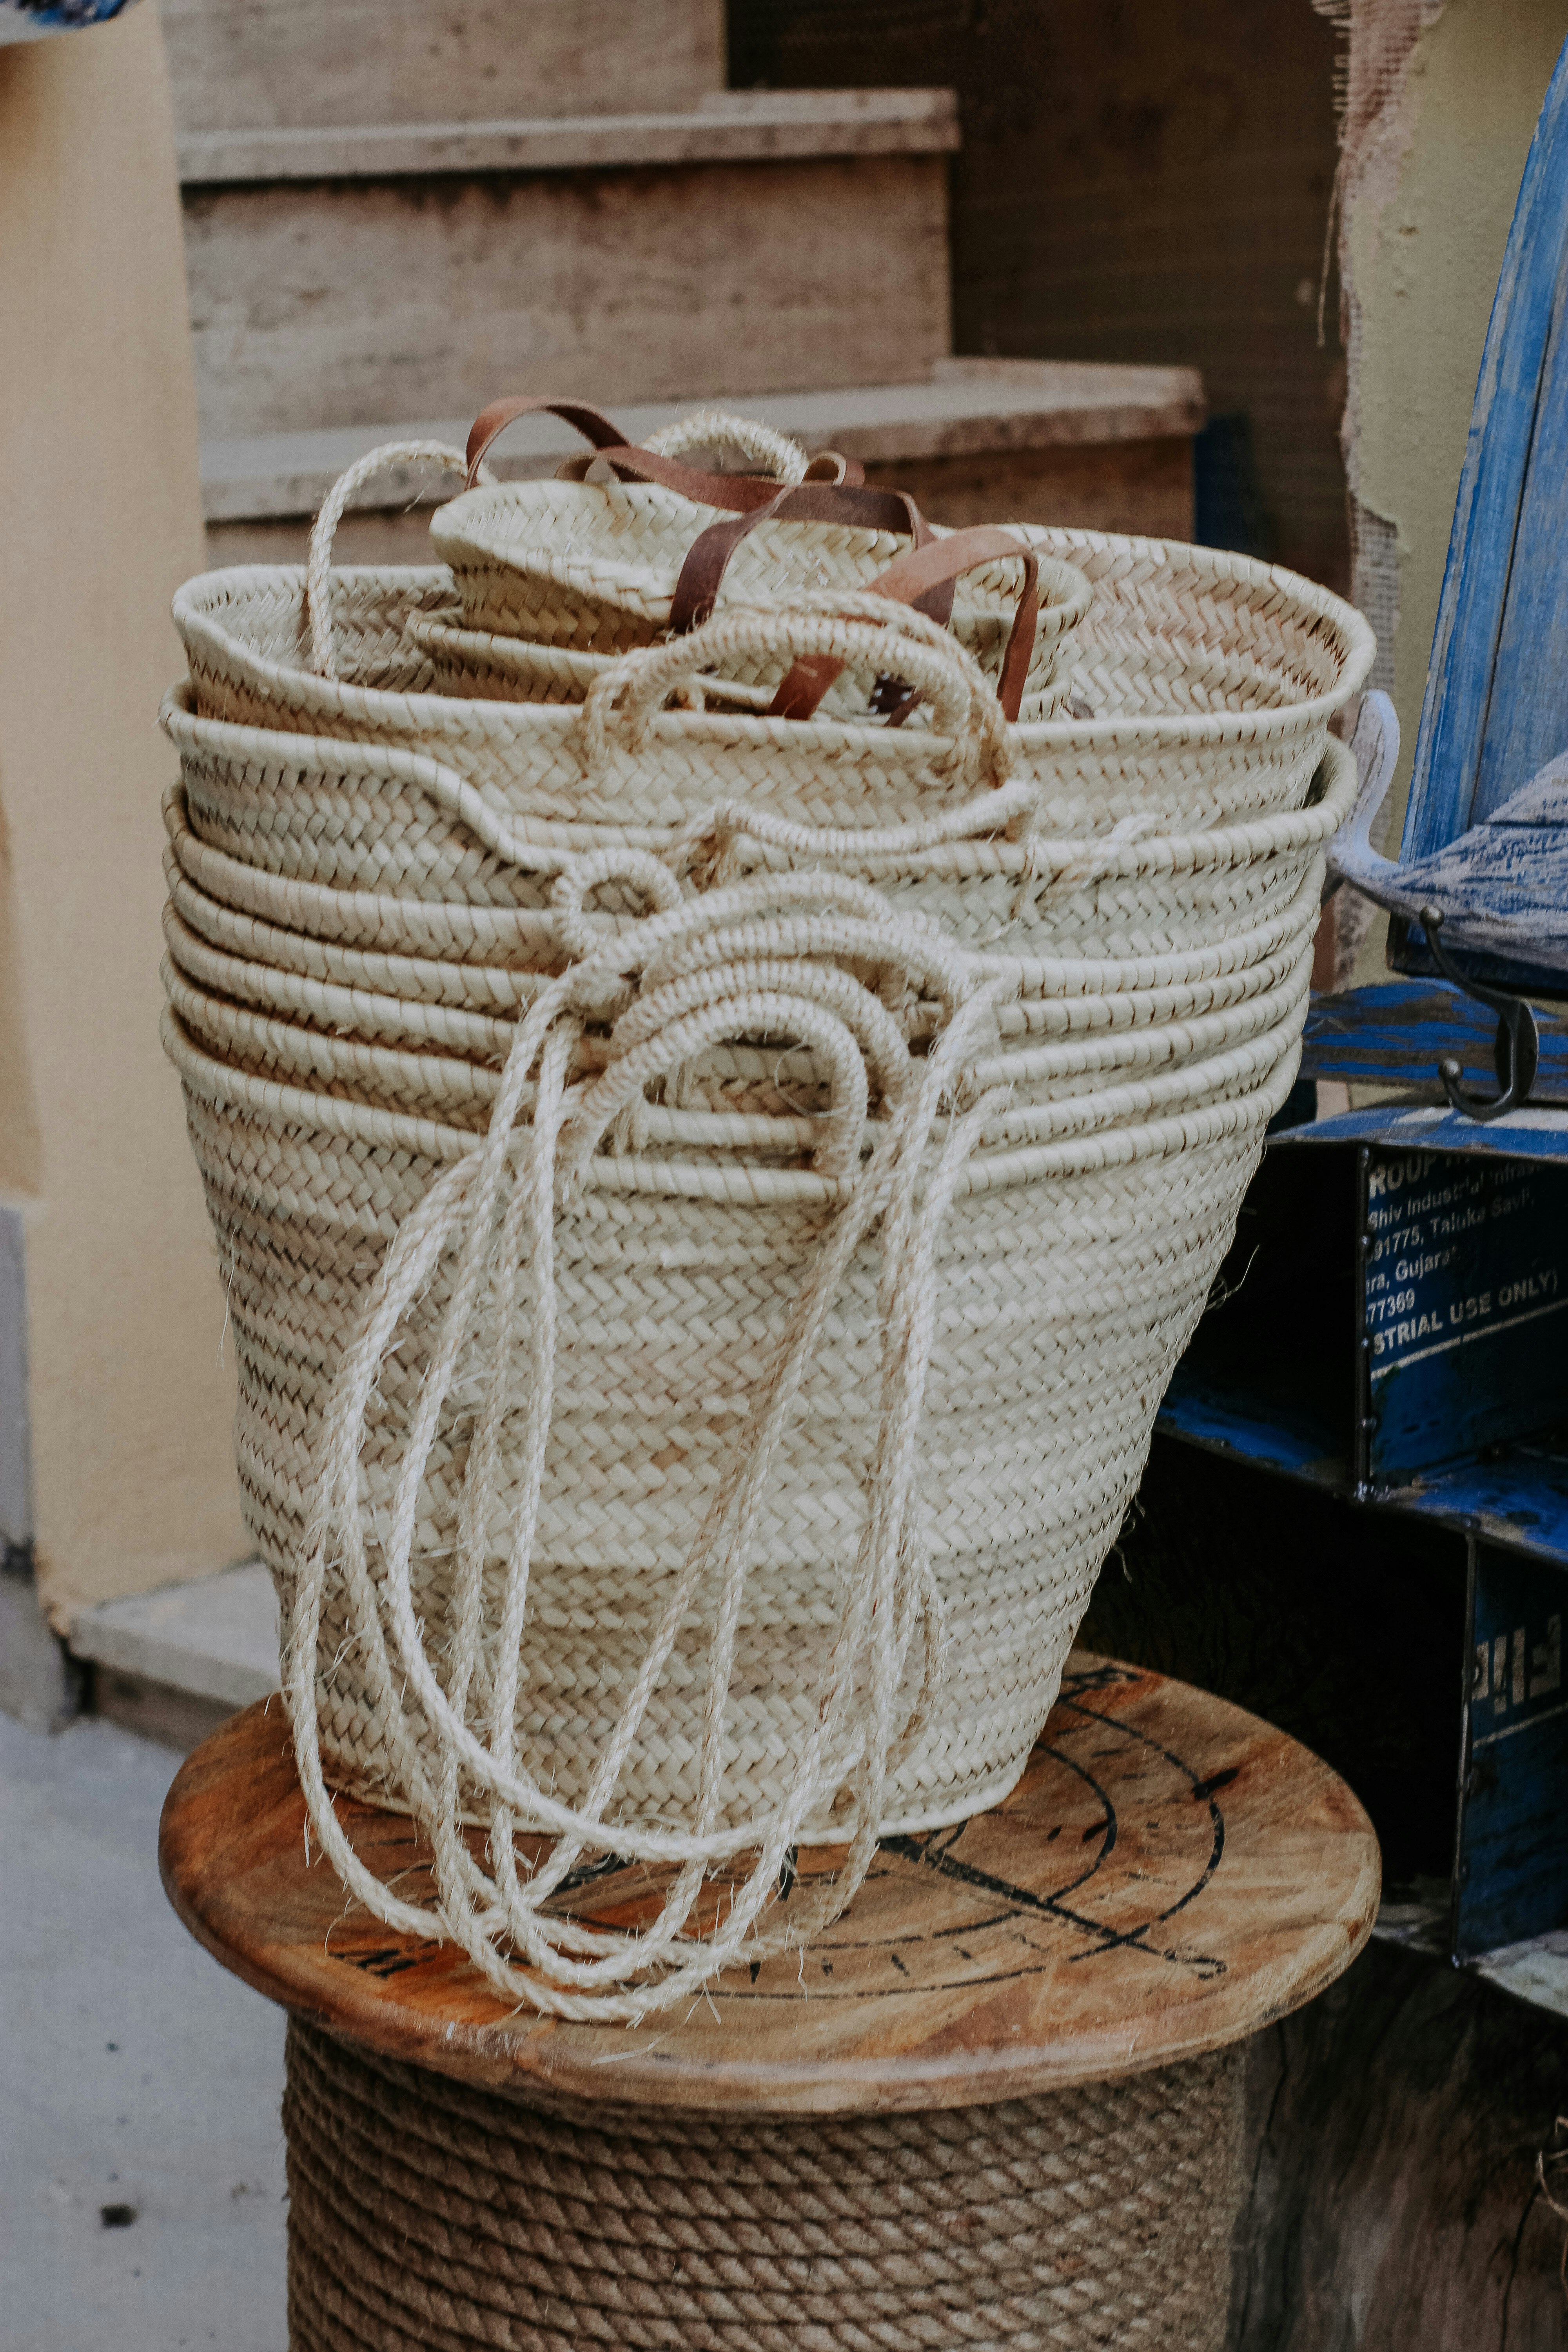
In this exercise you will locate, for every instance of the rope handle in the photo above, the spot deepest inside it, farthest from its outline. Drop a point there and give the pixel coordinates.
(324, 531)
(632, 464)
(915, 578)
(770, 451)
(816, 629)
(487, 1218)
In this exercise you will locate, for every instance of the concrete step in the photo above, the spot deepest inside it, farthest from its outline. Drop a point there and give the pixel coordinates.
(247, 64)
(1103, 447)
(388, 271)
(173, 1664)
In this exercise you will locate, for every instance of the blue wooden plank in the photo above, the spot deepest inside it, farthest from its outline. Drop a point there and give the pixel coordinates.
(1515, 1499)
(1518, 1135)
(1512, 1870)
(1527, 712)
(1471, 609)
(1502, 885)
(1233, 1420)
(1397, 1033)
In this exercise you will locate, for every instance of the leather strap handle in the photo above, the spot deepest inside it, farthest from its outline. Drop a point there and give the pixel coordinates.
(734, 491)
(492, 423)
(827, 466)
(919, 579)
(814, 500)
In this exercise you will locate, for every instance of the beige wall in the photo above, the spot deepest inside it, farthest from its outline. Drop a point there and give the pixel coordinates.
(1426, 266)
(133, 1482)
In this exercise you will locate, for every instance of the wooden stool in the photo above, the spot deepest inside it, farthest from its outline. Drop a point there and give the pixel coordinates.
(998, 2105)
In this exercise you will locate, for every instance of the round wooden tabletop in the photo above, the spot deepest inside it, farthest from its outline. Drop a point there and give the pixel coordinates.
(1168, 1874)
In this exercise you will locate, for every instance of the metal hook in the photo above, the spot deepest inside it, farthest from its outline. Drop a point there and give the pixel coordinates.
(1516, 1050)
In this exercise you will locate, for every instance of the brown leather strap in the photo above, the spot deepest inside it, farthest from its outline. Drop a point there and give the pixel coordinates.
(729, 490)
(492, 423)
(827, 466)
(735, 491)
(913, 580)
(708, 557)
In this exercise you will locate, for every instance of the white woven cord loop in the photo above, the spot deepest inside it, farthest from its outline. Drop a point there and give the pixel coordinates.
(490, 1216)
(770, 451)
(862, 630)
(324, 530)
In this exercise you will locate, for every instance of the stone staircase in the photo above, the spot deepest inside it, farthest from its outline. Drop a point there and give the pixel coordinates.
(396, 210)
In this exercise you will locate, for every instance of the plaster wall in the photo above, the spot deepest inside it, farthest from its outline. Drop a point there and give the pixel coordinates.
(133, 1477)
(1425, 265)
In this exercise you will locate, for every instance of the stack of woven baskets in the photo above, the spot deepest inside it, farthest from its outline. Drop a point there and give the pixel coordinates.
(725, 1032)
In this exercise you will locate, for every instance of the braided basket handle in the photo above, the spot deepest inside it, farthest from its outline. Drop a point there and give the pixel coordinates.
(324, 531)
(833, 629)
(730, 490)
(770, 451)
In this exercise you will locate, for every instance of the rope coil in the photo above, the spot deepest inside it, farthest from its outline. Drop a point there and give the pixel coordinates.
(495, 1210)
(427, 2217)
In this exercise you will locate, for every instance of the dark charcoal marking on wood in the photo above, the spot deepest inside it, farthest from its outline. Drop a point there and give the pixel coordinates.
(1202, 1790)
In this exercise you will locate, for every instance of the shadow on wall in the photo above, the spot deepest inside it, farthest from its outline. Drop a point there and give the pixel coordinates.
(1140, 184)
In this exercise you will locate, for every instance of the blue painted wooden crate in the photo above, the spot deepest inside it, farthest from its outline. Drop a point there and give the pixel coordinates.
(1392, 1328)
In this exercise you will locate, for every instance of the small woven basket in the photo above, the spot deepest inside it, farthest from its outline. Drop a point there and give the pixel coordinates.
(1201, 691)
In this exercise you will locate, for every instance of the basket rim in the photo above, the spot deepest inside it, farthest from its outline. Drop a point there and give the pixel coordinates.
(198, 603)
(203, 865)
(1042, 857)
(733, 1180)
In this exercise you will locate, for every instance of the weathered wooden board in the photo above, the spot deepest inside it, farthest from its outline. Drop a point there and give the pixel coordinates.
(1500, 587)
(1168, 1874)
(1397, 1033)
(1143, 488)
(1394, 2126)
(1434, 1330)
(1513, 1875)
(1465, 1305)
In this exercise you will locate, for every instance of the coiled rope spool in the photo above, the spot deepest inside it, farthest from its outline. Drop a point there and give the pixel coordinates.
(996, 2106)
(422, 2212)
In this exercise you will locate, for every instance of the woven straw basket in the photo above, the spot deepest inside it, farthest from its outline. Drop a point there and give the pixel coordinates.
(606, 567)
(1063, 1286)
(1216, 677)
(593, 572)
(1062, 1304)
(710, 1201)
(1055, 1259)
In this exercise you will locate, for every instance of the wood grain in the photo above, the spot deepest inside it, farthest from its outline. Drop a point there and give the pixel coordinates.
(1499, 604)
(318, 303)
(247, 64)
(1144, 488)
(1169, 1875)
